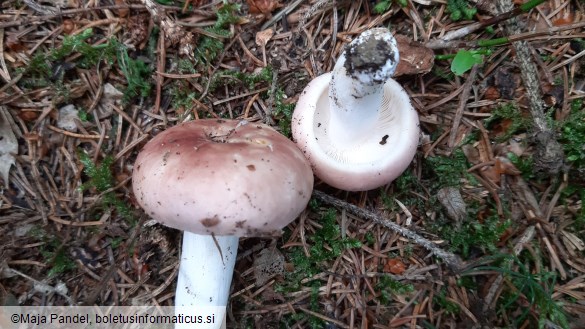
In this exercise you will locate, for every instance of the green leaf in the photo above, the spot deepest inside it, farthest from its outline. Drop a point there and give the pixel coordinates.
(464, 61)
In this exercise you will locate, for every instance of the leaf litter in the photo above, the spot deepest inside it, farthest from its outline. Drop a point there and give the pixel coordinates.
(522, 232)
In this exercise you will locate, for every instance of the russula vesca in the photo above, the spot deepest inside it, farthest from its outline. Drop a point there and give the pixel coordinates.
(218, 180)
(356, 125)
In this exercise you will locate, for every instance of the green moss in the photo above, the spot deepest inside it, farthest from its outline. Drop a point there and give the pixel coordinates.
(90, 54)
(327, 236)
(472, 233)
(137, 73)
(384, 5)
(182, 97)
(102, 179)
(460, 9)
(53, 252)
(208, 48)
(283, 112)
(233, 78)
(449, 307)
(508, 112)
(48, 69)
(524, 163)
(448, 170)
(572, 135)
(387, 287)
(575, 192)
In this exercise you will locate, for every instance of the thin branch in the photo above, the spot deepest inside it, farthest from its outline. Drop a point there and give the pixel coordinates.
(453, 261)
(466, 30)
(549, 155)
(463, 98)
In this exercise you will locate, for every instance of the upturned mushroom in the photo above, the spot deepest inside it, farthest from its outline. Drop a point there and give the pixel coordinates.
(356, 125)
(218, 180)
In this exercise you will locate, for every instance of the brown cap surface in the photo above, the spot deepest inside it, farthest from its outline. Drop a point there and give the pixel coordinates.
(222, 177)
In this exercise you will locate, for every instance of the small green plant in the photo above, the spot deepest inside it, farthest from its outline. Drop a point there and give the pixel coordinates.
(384, 5)
(460, 9)
(53, 252)
(137, 73)
(530, 288)
(388, 287)
(101, 178)
(572, 134)
(84, 116)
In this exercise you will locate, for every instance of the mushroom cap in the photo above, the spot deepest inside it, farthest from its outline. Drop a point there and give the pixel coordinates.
(224, 177)
(371, 161)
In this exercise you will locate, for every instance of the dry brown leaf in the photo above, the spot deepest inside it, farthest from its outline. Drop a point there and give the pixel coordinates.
(63, 3)
(471, 153)
(111, 97)
(394, 266)
(8, 146)
(415, 58)
(505, 166)
(13, 43)
(68, 26)
(270, 262)
(67, 116)
(451, 199)
(123, 12)
(263, 37)
(264, 7)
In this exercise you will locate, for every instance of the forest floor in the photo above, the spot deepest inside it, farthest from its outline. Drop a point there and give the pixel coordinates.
(498, 179)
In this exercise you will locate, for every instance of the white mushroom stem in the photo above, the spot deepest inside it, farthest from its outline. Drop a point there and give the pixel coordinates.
(357, 85)
(205, 271)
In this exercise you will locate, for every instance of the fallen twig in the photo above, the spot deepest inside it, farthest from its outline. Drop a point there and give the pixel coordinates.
(444, 42)
(452, 260)
(549, 156)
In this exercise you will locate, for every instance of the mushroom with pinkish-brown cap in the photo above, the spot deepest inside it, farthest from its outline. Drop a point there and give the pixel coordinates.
(356, 125)
(218, 180)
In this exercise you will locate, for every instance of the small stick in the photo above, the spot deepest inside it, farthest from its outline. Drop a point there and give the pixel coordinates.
(532, 35)
(75, 135)
(466, 30)
(549, 156)
(463, 98)
(453, 261)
